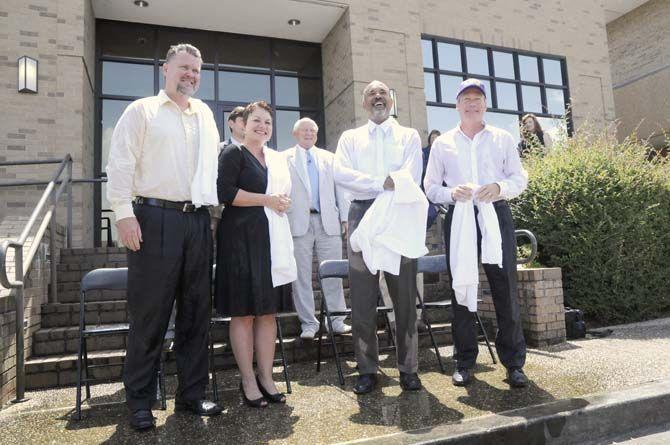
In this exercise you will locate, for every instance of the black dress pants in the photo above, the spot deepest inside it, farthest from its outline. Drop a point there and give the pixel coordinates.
(174, 262)
(510, 342)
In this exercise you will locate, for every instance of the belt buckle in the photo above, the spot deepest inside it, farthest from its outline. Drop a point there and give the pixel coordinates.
(188, 207)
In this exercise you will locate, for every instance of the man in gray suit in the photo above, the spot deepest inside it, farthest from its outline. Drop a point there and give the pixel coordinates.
(317, 216)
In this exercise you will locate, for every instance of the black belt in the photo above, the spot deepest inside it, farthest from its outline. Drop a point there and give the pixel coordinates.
(499, 203)
(313, 211)
(184, 206)
(364, 201)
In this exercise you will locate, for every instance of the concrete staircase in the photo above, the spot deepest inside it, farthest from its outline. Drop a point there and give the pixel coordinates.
(53, 361)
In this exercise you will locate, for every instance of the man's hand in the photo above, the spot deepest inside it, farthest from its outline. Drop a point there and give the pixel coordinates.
(129, 233)
(462, 193)
(213, 224)
(488, 192)
(345, 227)
(389, 184)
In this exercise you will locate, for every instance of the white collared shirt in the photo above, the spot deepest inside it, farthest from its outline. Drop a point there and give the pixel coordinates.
(491, 156)
(153, 153)
(366, 155)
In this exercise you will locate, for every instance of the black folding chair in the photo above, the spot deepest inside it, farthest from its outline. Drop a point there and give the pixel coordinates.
(437, 264)
(218, 320)
(340, 269)
(104, 279)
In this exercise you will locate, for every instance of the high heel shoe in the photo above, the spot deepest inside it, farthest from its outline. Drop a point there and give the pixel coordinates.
(260, 402)
(272, 398)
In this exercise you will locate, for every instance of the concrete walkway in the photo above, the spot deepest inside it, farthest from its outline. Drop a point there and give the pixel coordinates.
(319, 411)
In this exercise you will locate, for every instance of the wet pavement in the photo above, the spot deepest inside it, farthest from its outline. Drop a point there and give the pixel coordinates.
(320, 411)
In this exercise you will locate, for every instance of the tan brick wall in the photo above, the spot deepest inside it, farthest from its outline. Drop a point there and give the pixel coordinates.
(57, 120)
(639, 47)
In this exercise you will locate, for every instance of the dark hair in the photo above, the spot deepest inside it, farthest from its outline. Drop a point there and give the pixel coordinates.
(252, 107)
(536, 124)
(237, 112)
(433, 132)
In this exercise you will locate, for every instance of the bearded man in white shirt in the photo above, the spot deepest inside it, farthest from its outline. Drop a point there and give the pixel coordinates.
(479, 164)
(364, 159)
(161, 179)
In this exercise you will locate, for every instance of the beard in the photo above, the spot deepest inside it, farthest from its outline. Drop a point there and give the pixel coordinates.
(186, 89)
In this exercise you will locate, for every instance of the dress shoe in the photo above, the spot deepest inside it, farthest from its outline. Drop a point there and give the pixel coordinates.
(308, 333)
(409, 381)
(199, 407)
(272, 398)
(517, 378)
(365, 383)
(260, 402)
(142, 419)
(461, 377)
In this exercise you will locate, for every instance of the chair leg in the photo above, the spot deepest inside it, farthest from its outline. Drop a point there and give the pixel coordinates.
(79, 370)
(319, 342)
(426, 320)
(389, 328)
(283, 355)
(340, 375)
(486, 338)
(212, 367)
(88, 377)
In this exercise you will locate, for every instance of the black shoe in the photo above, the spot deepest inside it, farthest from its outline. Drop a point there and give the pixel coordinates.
(272, 398)
(199, 407)
(410, 381)
(142, 419)
(365, 383)
(461, 377)
(517, 378)
(260, 402)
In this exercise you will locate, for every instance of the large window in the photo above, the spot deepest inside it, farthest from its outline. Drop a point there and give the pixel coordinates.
(517, 83)
(236, 70)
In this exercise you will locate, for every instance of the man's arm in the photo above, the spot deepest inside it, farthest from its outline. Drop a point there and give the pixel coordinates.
(434, 178)
(517, 177)
(344, 173)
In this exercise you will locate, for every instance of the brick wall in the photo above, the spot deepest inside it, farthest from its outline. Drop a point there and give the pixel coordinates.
(59, 119)
(35, 294)
(639, 47)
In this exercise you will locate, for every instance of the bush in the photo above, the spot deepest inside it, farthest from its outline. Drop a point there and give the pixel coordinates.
(601, 211)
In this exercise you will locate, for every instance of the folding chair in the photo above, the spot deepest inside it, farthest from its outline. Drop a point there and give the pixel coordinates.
(103, 279)
(437, 264)
(221, 320)
(340, 269)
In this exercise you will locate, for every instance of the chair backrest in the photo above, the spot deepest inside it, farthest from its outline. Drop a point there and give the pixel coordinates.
(432, 264)
(333, 269)
(105, 279)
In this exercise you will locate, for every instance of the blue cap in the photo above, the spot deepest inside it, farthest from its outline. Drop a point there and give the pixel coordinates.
(471, 83)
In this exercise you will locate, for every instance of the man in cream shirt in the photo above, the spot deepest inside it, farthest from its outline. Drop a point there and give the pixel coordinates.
(364, 158)
(161, 178)
(317, 207)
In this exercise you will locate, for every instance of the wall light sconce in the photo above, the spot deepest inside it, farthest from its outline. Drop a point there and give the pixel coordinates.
(27, 75)
(394, 109)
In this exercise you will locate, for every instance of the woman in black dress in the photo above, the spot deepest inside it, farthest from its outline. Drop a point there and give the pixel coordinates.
(244, 288)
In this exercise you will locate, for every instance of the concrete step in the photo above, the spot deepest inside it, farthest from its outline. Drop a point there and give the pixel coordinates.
(60, 369)
(67, 314)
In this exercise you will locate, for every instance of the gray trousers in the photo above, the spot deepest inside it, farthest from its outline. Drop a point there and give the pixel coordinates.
(328, 247)
(364, 289)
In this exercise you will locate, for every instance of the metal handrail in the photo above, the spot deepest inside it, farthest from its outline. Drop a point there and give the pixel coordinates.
(517, 233)
(51, 194)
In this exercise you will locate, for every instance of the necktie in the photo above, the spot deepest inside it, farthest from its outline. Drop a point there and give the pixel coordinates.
(313, 180)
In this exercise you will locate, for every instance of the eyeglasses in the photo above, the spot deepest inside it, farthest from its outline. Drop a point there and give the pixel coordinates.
(468, 100)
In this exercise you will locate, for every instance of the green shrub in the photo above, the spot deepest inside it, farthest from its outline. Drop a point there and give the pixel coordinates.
(601, 211)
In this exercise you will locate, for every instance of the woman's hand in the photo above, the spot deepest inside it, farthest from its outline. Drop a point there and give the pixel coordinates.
(279, 202)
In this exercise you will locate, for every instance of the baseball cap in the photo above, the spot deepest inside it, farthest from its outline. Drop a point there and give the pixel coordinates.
(471, 83)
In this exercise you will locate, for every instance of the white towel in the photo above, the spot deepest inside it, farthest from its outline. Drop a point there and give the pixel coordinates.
(393, 226)
(284, 269)
(203, 186)
(463, 248)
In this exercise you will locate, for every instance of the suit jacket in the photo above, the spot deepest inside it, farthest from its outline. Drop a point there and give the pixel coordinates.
(332, 200)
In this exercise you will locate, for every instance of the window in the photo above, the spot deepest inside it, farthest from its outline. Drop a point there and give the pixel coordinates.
(517, 83)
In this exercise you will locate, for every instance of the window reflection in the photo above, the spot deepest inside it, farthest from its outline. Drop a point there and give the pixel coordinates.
(503, 63)
(449, 56)
(429, 87)
(532, 100)
(243, 87)
(555, 101)
(478, 62)
(552, 71)
(427, 51)
(449, 86)
(111, 112)
(442, 118)
(487, 84)
(528, 69)
(283, 128)
(286, 91)
(506, 94)
(127, 79)
(509, 122)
